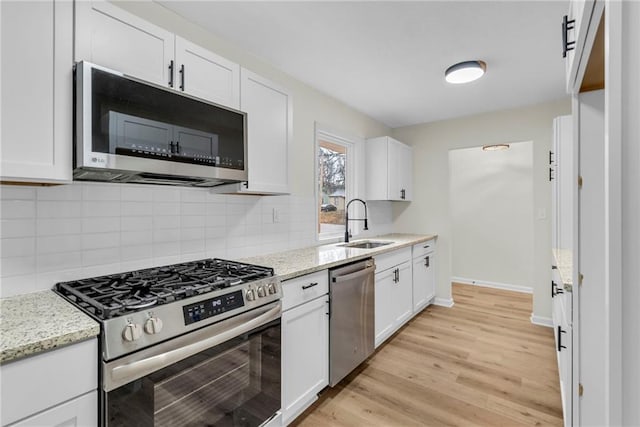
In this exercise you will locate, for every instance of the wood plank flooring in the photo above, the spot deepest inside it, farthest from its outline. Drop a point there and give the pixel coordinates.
(480, 362)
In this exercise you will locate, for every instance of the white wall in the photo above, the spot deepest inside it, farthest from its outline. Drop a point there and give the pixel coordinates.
(491, 196)
(429, 211)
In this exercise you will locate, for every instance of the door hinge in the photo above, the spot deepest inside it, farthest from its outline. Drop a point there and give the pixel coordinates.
(580, 389)
(580, 278)
(579, 181)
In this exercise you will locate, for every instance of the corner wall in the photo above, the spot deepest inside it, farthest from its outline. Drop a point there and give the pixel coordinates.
(430, 211)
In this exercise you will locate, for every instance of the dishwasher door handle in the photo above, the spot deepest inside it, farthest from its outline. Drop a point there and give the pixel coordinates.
(351, 276)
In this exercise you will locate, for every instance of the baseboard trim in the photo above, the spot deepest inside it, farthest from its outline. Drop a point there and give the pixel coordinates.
(495, 285)
(541, 321)
(444, 302)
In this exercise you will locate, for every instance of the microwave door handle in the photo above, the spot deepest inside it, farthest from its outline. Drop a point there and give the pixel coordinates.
(123, 374)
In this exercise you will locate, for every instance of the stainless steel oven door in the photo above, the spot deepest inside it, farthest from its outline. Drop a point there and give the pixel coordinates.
(226, 374)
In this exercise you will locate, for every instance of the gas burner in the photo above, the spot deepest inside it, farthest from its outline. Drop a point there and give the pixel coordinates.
(124, 293)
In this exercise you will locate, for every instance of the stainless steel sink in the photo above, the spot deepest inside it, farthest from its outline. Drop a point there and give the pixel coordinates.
(365, 244)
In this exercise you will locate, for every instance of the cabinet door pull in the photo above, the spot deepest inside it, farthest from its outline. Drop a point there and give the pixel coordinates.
(182, 77)
(171, 73)
(560, 332)
(553, 289)
(550, 174)
(550, 157)
(567, 25)
(426, 246)
(310, 285)
(402, 194)
(426, 262)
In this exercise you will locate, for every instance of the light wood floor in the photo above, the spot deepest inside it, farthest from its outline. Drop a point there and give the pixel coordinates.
(480, 362)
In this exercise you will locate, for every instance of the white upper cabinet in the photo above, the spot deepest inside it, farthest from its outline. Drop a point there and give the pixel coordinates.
(579, 32)
(206, 75)
(109, 36)
(389, 169)
(269, 109)
(36, 85)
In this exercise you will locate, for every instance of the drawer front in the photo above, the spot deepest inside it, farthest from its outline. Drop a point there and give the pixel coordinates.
(424, 248)
(392, 259)
(304, 288)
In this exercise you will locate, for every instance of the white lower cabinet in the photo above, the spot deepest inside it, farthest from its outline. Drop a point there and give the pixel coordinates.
(79, 412)
(54, 388)
(305, 343)
(394, 293)
(424, 278)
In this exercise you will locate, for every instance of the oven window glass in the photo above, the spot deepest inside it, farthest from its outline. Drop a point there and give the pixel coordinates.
(135, 119)
(234, 384)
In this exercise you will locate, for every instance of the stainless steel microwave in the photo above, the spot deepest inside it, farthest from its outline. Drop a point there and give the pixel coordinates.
(127, 130)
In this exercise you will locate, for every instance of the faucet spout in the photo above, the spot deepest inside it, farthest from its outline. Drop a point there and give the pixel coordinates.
(347, 219)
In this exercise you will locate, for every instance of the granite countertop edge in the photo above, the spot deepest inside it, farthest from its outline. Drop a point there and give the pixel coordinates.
(24, 334)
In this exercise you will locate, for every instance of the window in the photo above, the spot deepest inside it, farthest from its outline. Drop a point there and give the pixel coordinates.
(335, 172)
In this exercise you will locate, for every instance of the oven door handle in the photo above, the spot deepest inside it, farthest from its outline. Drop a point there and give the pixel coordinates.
(121, 374)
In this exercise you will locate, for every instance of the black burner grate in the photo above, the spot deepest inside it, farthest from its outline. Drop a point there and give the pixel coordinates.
(118, 294)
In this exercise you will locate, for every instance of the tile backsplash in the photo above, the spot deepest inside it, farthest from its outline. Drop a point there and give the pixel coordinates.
(67, 232)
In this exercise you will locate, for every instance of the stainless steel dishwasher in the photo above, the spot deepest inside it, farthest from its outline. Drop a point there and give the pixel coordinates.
(351, 320)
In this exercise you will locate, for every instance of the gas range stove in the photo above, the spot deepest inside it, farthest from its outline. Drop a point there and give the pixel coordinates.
(138, 309)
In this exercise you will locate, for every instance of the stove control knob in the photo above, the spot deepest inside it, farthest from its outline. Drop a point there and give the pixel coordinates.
(272, 288)
(262, 291)
(153, 325)
(251, 295)
(132, 332)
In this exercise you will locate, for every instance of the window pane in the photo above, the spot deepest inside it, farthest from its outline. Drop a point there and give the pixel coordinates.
(331, 187)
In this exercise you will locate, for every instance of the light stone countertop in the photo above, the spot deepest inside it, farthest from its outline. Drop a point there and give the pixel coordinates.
(40, 321)
(564, 262)
(298, 262)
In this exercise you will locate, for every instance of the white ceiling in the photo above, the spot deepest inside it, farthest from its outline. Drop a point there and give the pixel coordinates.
(387, 58)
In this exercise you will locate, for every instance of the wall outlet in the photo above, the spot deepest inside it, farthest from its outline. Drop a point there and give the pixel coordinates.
(276, 216)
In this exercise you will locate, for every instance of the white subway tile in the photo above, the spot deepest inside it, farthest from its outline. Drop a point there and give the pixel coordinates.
(11, 192)
(136, 208)
(192, 246)
(137, 264)
(61, 192)
(135, 238)
(166, 260)
(93, 208)
(166, 194)
(167, 235)
(21, 246)
(194, 221)
(216, 198)
(48, 279)
(237, 253)
(17, 209)
(100, 225)
(192, 233)
(15, 266)
(193, 196)
(136, 223)
(17, 228)
(235, 210)
(237, 242)
(216, 248)
(215, 232)
(215, 221)
(216, 209)
(136, 193)
(194, 256)
(187, 209)
(95, 257)
(58, 226)
(137, 253)
(165, 249)
(254, 230)
(59, 261)
(102, 269)
(63, 243)
(165, 222)
(16, 285)
(100, 240)
(101, 192)
(166, 208)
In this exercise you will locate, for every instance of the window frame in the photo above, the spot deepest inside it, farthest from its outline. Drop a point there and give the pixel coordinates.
(354, 146)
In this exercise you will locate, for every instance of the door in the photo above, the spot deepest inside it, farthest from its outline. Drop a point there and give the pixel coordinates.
(384, 307)
(402, 294)
(423, 281)
(305, 355)
(406, 171)
(395, 178)
(36, 84)
(114, 38)
(270, 129)
(206, 75)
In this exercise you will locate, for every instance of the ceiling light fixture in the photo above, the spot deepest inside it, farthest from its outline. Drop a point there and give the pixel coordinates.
(495, 147)
(465, 72)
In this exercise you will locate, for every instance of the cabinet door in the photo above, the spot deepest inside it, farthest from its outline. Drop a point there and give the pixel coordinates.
(402, 295)
(384, 306)
(305, 355)
(423, 281)
(395, 177)
(206, 75)
(82, 411)
(269, 122)
(36, 85)
(109, 36)
(406, 172)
